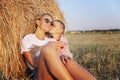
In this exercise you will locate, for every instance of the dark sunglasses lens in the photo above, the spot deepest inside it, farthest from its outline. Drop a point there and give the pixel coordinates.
(47, 20)
(51, 23)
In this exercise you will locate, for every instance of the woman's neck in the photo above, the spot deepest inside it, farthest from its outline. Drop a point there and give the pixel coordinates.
(40, 34)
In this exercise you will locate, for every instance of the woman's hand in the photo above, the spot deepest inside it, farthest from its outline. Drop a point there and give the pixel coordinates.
(65, 58)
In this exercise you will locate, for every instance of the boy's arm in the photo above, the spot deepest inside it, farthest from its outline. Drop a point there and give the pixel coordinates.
(66, 50)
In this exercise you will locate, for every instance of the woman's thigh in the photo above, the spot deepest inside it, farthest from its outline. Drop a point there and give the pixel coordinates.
(50, 66)
(43, 72)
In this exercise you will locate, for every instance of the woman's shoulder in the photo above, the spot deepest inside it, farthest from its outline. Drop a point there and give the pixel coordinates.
(28, 36)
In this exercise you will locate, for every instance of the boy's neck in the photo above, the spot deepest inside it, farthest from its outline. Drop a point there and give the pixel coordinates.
(57, 38)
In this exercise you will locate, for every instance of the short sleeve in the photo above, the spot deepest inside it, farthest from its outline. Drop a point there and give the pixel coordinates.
(52, 40)
(25, 45)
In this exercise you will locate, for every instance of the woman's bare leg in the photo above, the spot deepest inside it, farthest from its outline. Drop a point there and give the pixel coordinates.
(77, 71)
(43, 74)
(50, 58)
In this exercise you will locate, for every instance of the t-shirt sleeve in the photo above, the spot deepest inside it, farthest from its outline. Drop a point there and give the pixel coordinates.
(25, 45)
(52, 40)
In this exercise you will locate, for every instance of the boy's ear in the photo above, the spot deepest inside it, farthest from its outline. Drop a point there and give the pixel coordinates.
(38, 22)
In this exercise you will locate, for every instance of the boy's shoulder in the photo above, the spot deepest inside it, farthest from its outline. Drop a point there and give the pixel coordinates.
(63, 38)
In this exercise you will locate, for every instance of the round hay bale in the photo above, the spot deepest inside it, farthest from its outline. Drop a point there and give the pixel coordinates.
(17, 20)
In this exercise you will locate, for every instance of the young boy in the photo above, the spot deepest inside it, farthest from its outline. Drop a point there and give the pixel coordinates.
(57, 34)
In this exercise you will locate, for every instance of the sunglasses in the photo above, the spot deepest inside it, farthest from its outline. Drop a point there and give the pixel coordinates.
(48, 21)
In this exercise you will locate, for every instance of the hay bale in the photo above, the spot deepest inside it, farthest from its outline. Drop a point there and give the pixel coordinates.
(17, 20)
(109, 32)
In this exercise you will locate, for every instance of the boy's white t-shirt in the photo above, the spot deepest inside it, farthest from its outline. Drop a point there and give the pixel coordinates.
(30, 41)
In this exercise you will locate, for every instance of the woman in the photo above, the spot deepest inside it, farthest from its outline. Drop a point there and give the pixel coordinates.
(46, 59)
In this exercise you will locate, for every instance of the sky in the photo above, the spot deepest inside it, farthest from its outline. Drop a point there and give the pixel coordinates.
(91, 14)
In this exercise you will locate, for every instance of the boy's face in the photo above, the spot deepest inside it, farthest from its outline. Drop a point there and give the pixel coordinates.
(57, 31)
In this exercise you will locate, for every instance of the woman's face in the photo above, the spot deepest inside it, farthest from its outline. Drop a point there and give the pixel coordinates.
(45, 23)
(57, 31)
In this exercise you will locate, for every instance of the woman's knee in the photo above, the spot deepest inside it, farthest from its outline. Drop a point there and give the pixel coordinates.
(48, 50)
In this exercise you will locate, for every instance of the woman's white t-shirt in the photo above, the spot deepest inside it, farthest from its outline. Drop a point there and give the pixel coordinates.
(30, 41)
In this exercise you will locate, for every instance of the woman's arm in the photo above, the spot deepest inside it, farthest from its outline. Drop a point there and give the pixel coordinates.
(29, 58)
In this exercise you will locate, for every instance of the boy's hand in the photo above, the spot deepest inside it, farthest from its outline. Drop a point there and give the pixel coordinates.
(60, 44)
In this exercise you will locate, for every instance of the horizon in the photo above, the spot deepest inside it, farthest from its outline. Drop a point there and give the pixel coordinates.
(116, 29)
(75, 29)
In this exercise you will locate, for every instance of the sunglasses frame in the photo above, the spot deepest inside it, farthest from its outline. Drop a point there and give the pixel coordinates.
(48, 21)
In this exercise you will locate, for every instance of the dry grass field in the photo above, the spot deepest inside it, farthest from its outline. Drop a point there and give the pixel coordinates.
(99, 53)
